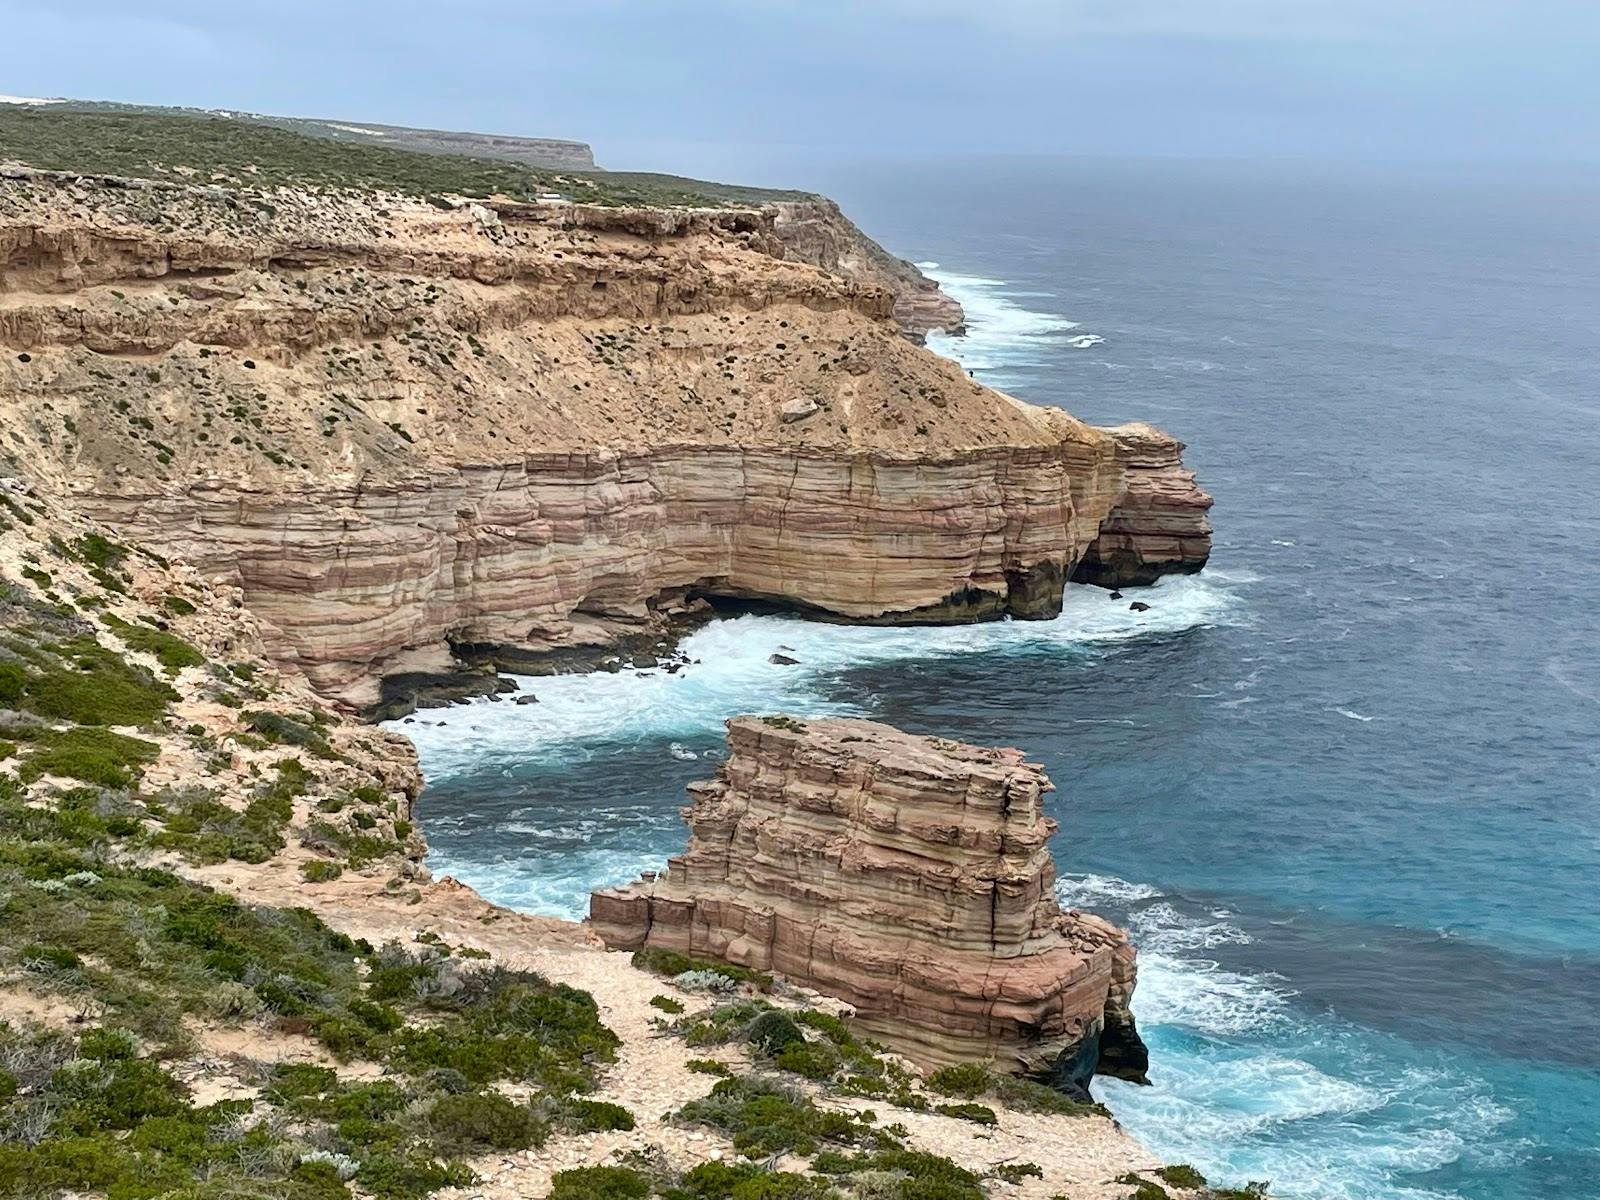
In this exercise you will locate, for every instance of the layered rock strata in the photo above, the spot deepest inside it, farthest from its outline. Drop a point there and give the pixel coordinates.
(1159, 526)
(416, 434)
(815, 231)
(909, 877)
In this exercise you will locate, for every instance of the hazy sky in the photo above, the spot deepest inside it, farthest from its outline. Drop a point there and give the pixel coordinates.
(719, 84)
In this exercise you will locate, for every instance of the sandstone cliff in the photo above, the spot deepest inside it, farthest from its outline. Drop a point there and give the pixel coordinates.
(907, 876)
(416, 431)
(815, 231)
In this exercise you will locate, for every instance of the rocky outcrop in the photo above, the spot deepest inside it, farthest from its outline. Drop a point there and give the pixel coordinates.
(816, 232)
(418, 435)
(907, 876)
(1159, 526)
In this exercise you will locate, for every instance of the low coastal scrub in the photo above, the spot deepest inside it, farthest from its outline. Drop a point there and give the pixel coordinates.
(1186, 1178)
(282, 730)
(674, 966)
(79, 680)
(98, 756)
(813, 1045)
(173, 653)
(154, 143)
(766, 1117)
(142, 950)
(969, 1081)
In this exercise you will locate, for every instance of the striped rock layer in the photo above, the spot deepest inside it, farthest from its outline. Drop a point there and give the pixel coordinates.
(418, 438)
(908, 876)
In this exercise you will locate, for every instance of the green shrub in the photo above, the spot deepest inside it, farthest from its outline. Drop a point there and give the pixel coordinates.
(979, 1114)
(814, 1060)
(173, 653)
(204, 829)
(967, 1080)
(320, 870)
(763, 1117)
(46, 958)
(917, 1175)
(487, 1120)
(1182, 1175)
(89, 684)
(670, 963)
(665, 1003)
(1029, 1095)
(830, 1026)
(600, 1183)
(1015, 1172)
(287, 731)
(780, 1185)
(12, 680)
(116, 1095)
(716, 1180)
(394, 1175)
(1143, 1189)
(596, 1116)
(709, 1066)
(773, 1031)
(178, 606)
(93, 755)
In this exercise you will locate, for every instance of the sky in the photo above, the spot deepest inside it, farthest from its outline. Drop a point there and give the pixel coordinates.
(739, 88)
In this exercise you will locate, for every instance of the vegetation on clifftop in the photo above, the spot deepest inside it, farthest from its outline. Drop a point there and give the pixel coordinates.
(205, 149)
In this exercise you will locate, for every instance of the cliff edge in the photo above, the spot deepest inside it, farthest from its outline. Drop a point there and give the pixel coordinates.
(420, 430)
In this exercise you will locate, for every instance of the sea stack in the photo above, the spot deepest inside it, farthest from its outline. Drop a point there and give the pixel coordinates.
(908, 876)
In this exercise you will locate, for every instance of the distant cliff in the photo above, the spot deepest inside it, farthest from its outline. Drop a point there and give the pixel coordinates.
(530, 151)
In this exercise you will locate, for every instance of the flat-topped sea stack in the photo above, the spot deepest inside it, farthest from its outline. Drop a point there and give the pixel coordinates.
(908, 876)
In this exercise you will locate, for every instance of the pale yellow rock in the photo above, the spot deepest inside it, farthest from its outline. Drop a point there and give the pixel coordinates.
(401, 430)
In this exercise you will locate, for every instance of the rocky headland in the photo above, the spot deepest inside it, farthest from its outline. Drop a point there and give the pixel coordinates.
(906, 876)
(280, 429)
(410, 429)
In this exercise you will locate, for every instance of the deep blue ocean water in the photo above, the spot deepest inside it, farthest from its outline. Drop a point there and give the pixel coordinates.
(1344, 786)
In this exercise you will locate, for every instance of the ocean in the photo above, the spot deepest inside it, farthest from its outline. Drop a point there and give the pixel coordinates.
(1344, 785)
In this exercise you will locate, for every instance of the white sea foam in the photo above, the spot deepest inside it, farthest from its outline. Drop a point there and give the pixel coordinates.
(729, 673)
(1001, 332)
(1240, 1084)
(555, 889)
(1353, 715)
(1093, 891)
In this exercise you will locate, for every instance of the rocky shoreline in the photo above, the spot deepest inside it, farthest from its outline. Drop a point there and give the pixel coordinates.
(279, 454)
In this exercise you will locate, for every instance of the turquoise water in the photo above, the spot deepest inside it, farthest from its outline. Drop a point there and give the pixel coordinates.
(1344, 787)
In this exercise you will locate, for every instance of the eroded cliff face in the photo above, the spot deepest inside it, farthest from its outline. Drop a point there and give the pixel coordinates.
(907, 876)
(816, 232)
(405, 429)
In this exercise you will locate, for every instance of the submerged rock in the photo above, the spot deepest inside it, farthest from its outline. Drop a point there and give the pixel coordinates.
(907, 876)
(1138, 606)
(782, 660)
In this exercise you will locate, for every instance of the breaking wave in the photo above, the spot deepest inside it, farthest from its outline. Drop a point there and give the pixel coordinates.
(1244, 1085)
(1001, 332)
(729, 673)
